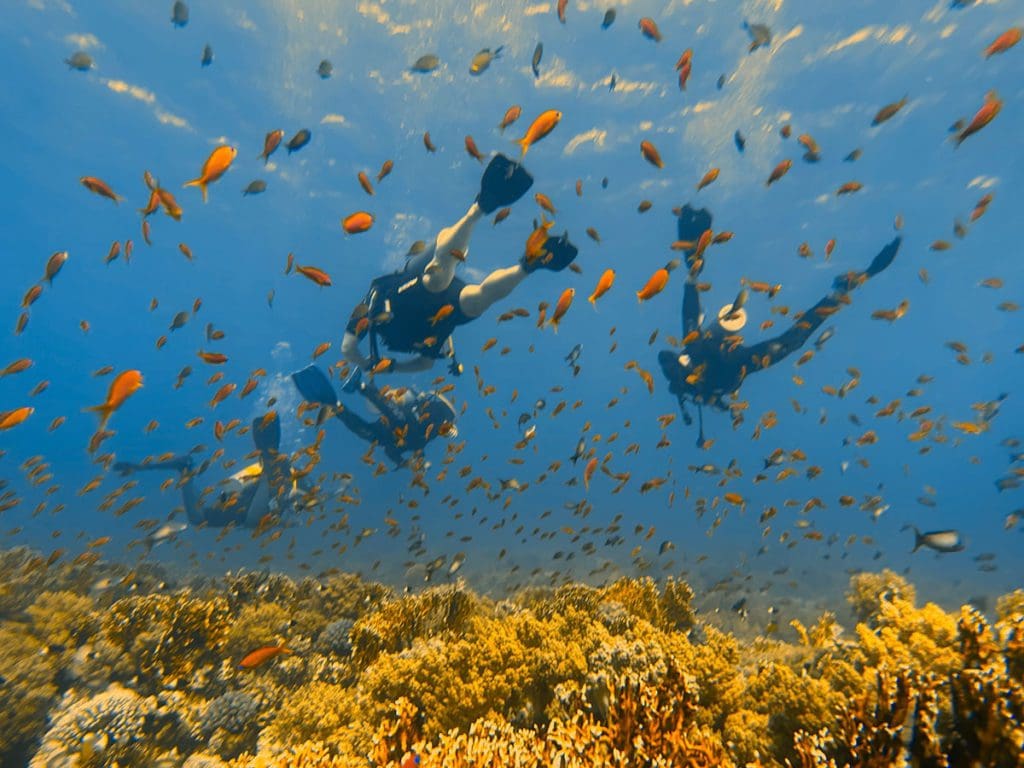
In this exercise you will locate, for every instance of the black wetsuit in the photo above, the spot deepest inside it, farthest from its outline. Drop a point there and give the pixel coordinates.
(719, 362)
(394, 415)
(400, 309)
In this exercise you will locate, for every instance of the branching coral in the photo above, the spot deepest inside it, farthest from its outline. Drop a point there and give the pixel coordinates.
(870, 591)
(62, 619)
(27, 688)
(397, 623)
(169, 638)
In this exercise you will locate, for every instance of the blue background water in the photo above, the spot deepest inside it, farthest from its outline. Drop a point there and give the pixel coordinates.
(148, 104)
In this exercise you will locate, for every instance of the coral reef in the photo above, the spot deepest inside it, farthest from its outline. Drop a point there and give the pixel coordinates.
(624, 674)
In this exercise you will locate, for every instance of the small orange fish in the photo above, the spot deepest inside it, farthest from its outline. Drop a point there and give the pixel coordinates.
(357, 222)
(124, 385)
(114, 252)
(16, 367)
(992, 106)
(318, 276)
(511, 115)
(564, 302)
(779, 171)
(655, 285)
(545, 202)
(542, 125)
(849, 188)
(650, 29)
(472, 150)
(145, 232)
(603, 286)
(441, 314)
(829, 247)
(212, 358)
(10, 419)
(171, 207)
(428, 143)
(262, 655)
(382, 366)
(222, 394)
(31, 295)
(1004, 42)
(560, 9)
(385, 169)
(216, 165)
(364, 182)
(271, 143)
(650, 154)
(321, 349)
(588, 472)
(100, 187)
(708, 178)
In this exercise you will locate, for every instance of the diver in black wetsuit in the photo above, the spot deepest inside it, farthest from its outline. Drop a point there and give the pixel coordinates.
(406, 423)
(245, 498)
(415, 310)
(713, 365)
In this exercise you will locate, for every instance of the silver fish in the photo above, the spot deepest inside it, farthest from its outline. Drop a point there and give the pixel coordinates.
(941, 541)
(426, 63)
(483, 60)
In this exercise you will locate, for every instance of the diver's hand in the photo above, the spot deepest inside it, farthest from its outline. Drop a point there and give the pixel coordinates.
(455, 368)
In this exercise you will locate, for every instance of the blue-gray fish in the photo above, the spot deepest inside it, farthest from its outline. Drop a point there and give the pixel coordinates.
(79, 60)
(741, 142)
(483, 60)
(940, 541)
(609, 18)
(325, 70)
(179, 13)
(538, 54)
(426, 63)
(207, 55)
(760, 35)
(299, 140)
(255, 187)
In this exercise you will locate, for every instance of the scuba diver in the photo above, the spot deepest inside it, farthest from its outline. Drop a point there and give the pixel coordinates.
(715, 361)
(255, 496)
(407, 422)
(415, 310)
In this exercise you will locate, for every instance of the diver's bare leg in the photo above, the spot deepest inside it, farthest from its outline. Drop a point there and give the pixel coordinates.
(438, 274)
(474, 300)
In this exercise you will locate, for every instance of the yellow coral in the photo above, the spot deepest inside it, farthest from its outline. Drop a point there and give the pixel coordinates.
(870, 591)
(27, 691)
(62, 618)
(257, 625)
(923, 639)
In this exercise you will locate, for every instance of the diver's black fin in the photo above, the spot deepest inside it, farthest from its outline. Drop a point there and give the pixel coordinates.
(503, 183)
(561, 254)
(266, 434)
(884, 257)
(314, 386)
(693, 222)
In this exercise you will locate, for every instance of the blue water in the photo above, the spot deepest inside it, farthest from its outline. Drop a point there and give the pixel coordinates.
(148, 104)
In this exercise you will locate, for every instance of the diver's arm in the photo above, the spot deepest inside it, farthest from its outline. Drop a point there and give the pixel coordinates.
(350, 350)
(791, 340)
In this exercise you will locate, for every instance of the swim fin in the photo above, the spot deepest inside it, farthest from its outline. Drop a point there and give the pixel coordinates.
(314, 386)
(266, 434)
(693, 223)
(561, 254)
(503, 183)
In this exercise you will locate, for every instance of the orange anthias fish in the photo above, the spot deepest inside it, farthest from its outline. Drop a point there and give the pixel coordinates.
(262, 655)
(9, 419)
(100, 187)
(564, 302)
(511, 115)
(650, 154)
(650, 29)
(984, 116)
(441, 314)
(318, 276)
(360, 221)
(537, 239)
(779, 171)
(216, 165)
(603, 286)
(472, 150)
(271, 143)
(542, 125)
(124, 385)
(655, 285)
(588, 472)
(1004, 42)
(709, 177)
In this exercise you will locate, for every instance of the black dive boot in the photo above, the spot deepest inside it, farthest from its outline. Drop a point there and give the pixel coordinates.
(503, 183)
(558, 254)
